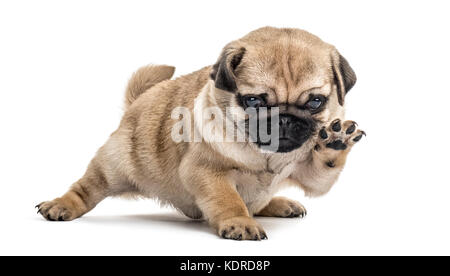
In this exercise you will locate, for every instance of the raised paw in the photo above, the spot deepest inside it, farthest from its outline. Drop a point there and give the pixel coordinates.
(241, 228)
(284, 208)
(57, 210)
(336, 140)
(339, 136)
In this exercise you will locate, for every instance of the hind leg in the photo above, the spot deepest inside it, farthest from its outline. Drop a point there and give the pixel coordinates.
(191, 211)
(82, 197)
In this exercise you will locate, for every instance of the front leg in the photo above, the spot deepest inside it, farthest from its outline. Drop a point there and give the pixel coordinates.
(317, 174)
(283, 207)
(220, 203)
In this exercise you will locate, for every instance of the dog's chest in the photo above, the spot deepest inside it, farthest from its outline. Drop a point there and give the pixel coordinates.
(257, 188)
(260, 175)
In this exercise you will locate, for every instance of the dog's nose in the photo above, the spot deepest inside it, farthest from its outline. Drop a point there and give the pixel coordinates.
(285, 121)
(289, 123)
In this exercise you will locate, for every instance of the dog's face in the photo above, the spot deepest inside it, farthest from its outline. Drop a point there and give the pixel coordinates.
(291, 69)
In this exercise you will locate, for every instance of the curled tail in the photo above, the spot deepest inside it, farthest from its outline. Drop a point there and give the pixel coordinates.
(145, 78)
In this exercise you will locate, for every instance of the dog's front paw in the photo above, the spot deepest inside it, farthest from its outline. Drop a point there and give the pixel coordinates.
(57, 210)
(284, 208)
(241, 228)
(336, 140)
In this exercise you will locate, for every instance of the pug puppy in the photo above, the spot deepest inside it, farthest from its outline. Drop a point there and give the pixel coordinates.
(227, 182)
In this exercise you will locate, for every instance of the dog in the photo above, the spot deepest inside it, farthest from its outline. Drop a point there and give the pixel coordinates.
(227, 183)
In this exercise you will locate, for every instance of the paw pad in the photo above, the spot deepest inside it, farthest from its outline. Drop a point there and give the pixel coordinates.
(339, 135)
(337, 145)
(330, 164)
(336, 125)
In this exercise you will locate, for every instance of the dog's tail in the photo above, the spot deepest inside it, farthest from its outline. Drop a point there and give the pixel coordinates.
(145, 78)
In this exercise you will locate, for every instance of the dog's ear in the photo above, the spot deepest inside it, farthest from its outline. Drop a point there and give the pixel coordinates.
(223, 72)
(344, 76)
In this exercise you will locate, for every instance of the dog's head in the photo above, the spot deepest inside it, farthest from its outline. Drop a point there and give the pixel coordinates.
(306, 78)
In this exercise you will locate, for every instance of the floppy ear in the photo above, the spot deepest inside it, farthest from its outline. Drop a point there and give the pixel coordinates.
(344, 76)
(223, 72)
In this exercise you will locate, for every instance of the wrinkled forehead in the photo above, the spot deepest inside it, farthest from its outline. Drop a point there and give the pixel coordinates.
(287, 73)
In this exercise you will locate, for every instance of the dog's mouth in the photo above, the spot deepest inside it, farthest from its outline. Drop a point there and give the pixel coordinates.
(283, 144)
(283, 133)
(287, 145)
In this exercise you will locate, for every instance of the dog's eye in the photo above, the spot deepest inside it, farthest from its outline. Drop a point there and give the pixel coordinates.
(314, 103)
(253, 101)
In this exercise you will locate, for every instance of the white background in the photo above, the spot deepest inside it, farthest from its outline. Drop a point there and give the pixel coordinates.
(63, 69)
